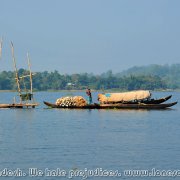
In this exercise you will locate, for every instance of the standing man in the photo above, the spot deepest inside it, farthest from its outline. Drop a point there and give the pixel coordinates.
(88, 92)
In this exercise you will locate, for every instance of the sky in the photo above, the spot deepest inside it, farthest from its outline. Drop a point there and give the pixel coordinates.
(93, 36)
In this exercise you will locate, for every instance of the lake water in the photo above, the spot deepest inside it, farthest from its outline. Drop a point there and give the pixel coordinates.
(88, 140)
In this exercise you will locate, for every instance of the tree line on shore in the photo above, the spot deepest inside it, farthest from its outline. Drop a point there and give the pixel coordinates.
(153, 77)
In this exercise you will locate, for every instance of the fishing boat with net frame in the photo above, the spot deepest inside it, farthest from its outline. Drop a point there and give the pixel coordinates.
(26, 96)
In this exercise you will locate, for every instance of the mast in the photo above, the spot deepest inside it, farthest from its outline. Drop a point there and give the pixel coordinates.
(1, 42)
(16, 71)
(30, 74)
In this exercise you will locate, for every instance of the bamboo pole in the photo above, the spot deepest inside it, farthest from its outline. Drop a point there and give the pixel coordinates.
(16, 71)
(30, 73)
(30, 76)
(1, 44)
(21, 77)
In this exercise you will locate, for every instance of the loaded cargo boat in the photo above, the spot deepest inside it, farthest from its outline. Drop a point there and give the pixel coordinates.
(128, 100)
(114, 106)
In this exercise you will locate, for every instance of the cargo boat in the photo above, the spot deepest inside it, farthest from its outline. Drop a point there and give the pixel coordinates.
(114, 106)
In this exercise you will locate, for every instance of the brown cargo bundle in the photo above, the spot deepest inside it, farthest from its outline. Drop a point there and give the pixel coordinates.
(124, 97)
(78, 101)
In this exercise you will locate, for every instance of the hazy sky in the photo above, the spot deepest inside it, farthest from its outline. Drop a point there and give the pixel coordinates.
(74, 36)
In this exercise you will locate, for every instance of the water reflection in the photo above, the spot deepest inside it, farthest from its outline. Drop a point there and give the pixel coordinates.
(80, 138)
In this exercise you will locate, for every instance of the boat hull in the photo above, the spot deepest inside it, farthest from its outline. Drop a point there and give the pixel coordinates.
(157, 101)
(115, 106)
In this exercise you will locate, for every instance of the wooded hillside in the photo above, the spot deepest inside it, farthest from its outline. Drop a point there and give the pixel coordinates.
(150, 77)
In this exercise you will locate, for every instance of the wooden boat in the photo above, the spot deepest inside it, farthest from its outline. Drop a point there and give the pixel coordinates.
(149, 101)
(156, 101)
(115, 106)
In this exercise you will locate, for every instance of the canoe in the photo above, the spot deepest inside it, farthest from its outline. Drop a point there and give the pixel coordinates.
(150, 101)
(115, 106)
(138, 106)
(20, 105)
(157, 101)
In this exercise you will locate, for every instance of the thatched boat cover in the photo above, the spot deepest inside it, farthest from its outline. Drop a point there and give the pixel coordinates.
(124, 97)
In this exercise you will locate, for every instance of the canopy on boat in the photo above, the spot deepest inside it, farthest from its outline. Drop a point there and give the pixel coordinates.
(124, 97)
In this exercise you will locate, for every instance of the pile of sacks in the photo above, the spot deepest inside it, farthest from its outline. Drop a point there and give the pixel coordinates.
(78, 101)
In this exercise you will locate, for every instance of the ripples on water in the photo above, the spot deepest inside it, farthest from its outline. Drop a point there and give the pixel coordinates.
(78, 139)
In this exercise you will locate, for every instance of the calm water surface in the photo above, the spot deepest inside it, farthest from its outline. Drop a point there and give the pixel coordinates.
(78, 139)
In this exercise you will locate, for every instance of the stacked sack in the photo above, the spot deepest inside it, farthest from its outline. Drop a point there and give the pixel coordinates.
(78, 101)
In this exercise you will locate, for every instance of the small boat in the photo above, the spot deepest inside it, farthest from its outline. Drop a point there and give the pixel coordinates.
(153, 101)
(115, 106)
(138, 106)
